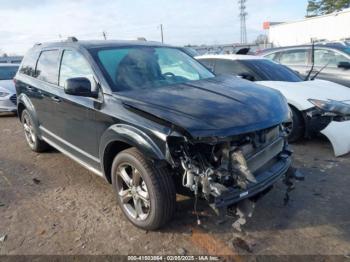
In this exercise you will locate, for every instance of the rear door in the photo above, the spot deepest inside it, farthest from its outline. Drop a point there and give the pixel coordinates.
(38, 81)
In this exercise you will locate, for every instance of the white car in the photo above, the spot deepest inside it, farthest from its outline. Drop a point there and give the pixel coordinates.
(8, 100)
(316, 105)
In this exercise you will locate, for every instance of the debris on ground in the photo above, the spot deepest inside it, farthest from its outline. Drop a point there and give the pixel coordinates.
(242, 244)
(243, 210)
(3, 238)
(181, 251)
(36, 181)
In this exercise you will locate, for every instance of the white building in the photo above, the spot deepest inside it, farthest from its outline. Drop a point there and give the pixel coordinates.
(332, 27)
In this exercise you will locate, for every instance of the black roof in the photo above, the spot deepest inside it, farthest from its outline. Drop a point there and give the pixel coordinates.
(98, 43)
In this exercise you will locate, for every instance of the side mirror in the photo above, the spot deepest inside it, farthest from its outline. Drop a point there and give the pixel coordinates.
(247, 76)
(344, 65)
(79, 86)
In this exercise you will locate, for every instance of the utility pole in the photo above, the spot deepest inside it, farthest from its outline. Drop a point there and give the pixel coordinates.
(161, 33)
(243, 14)
(104, 34)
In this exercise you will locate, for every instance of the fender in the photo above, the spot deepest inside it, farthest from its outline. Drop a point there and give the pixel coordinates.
(25, 100)
(132, 136)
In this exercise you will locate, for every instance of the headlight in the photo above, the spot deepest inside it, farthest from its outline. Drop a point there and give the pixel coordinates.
(333, 106)
(3, 94)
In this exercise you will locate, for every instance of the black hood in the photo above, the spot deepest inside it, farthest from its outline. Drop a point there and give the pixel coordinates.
(220, 106)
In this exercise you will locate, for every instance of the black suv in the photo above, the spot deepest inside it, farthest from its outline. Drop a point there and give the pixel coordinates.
(152, 121)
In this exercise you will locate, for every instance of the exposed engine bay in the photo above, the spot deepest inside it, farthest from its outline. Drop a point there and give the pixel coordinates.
(224, 172)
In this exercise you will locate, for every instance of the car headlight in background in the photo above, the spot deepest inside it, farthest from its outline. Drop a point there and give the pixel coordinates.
(333, 106)
(3, 94)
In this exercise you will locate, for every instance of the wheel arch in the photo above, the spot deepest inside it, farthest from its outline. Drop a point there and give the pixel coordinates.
(120, 137)
(24, 103)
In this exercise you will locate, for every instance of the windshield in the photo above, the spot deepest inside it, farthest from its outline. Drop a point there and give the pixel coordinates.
(8, 72)
(271, 71)
(135, 68)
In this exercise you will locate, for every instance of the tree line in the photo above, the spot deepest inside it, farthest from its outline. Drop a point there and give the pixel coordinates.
(323, 7)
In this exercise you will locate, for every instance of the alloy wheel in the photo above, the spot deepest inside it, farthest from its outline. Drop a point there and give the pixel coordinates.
(133, 192)
(29, 130)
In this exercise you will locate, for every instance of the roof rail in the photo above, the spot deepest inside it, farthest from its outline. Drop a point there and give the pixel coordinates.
(72, 39)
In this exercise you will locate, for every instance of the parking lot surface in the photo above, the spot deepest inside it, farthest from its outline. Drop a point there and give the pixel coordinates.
(51, 205)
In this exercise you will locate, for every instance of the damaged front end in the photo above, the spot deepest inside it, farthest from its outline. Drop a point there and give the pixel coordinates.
(332, 119)
(225, 171)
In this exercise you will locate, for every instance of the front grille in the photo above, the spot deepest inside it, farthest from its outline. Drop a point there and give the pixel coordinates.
(14, 99)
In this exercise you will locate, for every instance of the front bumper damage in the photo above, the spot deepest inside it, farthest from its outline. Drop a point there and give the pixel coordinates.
(338, 134)
(226, 172)
(334, 126)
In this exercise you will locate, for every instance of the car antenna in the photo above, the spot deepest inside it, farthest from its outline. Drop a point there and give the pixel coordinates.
(312, 60)
(319, 71)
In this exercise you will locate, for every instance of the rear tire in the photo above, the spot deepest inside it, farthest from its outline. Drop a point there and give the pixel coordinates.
(297, 129)
(33, 141)
(145, 194)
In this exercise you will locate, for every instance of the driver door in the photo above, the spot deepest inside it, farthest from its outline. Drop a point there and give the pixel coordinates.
(78, 129)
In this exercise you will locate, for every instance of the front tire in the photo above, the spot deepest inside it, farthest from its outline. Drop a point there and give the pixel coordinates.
(33, 141)
(146, 194)
(296, 128)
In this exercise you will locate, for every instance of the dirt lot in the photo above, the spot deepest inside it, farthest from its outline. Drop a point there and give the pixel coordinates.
(51, 205)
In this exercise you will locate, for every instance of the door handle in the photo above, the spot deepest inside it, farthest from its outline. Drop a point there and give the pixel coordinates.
(56, 99)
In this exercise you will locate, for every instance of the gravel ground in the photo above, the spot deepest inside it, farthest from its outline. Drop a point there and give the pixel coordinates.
(51, 205)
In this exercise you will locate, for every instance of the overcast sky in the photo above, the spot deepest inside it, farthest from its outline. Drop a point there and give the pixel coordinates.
(25, 22)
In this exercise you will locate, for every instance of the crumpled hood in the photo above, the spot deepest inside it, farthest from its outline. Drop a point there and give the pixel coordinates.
(219, 106)
(297, 93)
(7, 86)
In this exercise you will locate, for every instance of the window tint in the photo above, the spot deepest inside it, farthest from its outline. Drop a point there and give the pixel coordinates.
(295, 57)
(271, 71)
(148, 67)
(236, 68)
(8, 72)
(74, 65)
(29, 63)
(329, 58)
(47, 67)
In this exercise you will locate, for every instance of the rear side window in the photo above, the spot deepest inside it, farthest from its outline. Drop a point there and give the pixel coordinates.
(328, 58)
(47, 67)
(29, 63)
(234, 67)
(271, 56)
(295, 57)
(74, 65)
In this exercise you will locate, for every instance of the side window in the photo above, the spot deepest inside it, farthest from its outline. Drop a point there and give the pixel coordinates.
(295, 57)
(28, 64)
(47, 67)
(209, 63)
(74, 64)
(224, 67)
(271, 56)
(330, 58)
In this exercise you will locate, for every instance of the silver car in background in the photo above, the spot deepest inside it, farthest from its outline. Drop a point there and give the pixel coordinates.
(8, 100)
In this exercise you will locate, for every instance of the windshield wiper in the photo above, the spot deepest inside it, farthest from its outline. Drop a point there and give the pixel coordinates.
(312, 61)
(319, 71)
